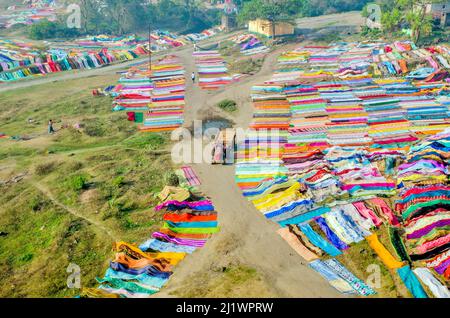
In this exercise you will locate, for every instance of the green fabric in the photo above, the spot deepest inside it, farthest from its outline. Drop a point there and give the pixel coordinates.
(139, 118)
(397, 244)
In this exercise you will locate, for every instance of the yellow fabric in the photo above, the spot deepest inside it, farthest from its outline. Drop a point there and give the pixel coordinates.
(383, 253)
(174, 258)
(174, 194)
(277, 200)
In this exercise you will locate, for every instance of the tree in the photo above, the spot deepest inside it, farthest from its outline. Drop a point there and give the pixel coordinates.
(271, 10)
(412, 12)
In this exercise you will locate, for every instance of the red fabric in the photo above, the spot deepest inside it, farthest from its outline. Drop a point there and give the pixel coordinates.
(189, 218)
(131, 116)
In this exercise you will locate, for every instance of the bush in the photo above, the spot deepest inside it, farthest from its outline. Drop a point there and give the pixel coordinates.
(36, 203)
(77, 182)
(45, 168)
(49, 30)
(93, 128)
(228, 105)
(171, 179)
(118, 181)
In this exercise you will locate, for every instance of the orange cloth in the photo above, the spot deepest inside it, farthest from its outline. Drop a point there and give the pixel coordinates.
(293, 241)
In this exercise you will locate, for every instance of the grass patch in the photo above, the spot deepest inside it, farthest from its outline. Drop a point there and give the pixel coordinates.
(247, 66)
(228, 105)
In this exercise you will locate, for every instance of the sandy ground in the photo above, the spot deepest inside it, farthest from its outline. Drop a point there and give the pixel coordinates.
(352, 18)
(246, 236)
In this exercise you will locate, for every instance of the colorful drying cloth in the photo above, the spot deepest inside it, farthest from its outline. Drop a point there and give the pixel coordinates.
(382, 252)
(191, 176)
(333, 278)
(436, 287)
(411, 282)
(205, 205)
(319, 241)
(294, 242)
(330, 234)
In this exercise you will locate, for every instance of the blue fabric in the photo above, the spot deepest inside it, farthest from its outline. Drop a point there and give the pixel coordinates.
(334, 239)
(193, 224)
(142, 278)
(156, 245)
(319, 241)
(411, 282)
(305, 217)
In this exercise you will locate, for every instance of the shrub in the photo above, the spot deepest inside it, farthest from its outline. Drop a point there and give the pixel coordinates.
(93, 128)
(171, 179)
(45, 168)
(118, 181)
(36, 203)
(77, 182)
(228, 105)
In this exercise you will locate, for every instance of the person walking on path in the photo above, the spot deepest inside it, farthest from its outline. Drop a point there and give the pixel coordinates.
(193, 77)
(51, 130)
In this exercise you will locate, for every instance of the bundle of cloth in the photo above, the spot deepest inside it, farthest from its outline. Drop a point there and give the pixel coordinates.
(212, 70)
(141, 271)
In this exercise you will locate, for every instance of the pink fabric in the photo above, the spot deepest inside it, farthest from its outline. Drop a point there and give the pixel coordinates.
(387, 211)
(367, 213)
(433, 244)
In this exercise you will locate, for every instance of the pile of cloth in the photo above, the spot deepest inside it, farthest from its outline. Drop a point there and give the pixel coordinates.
(212, 69)
(166, 111)
(141, 271)
(400, 58)
(346, 158)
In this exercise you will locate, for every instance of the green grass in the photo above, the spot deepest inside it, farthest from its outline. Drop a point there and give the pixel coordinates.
(105, 172)
(228, 105)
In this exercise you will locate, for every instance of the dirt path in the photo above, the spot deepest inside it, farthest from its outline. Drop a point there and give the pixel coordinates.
(97, 226)
(245, 236)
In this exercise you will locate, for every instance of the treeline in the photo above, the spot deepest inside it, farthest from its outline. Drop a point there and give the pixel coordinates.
(183, 16)
(289, 9)
(131, 16)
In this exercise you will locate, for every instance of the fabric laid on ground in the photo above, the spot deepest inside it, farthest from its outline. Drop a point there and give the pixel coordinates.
(340, 278)
(212, 70)
(411, 282)
(436, 287)
(336, 143)
(294, 242)
(383, 253)
(155, 99)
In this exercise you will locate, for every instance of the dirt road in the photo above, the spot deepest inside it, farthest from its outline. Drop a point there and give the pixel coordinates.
(246, 236)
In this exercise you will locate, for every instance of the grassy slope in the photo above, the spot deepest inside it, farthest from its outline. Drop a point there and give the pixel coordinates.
(50, 221)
